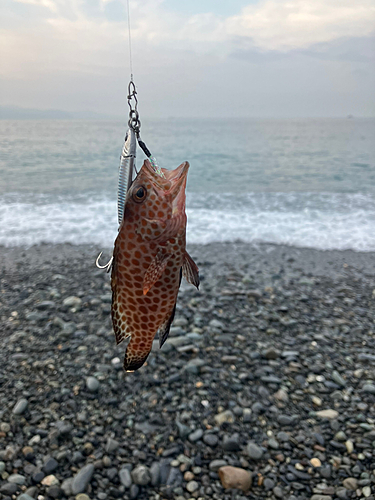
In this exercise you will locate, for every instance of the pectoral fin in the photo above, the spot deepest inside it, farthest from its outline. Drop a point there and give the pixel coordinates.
(155, 270)
(190, 270)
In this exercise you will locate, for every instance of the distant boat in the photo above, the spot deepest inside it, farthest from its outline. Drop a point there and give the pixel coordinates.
(350, 116)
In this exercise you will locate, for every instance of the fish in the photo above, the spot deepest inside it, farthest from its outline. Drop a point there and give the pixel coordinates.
(149, 260)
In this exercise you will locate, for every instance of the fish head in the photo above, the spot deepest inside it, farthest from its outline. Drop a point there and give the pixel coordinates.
(156, 203)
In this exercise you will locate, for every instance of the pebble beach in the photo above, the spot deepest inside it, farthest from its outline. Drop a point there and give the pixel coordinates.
(265, 388)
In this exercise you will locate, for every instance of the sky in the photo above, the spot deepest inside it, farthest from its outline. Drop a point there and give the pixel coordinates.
(196, 58)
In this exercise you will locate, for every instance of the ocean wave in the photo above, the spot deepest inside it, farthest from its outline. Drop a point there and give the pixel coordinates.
(324, 221)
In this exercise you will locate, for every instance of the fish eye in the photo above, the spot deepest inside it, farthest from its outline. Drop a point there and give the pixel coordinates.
(139, 194)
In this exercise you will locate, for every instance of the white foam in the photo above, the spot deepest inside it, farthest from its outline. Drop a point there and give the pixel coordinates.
(316, 220)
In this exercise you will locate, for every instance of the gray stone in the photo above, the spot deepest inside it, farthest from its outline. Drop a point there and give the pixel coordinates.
(125, 478)
(20, 407)
(278, 492)
(92, 384)
(194, 365)
(210, 439)
(111, 445)
(72, 301)
(77, 457)
(196, 435)
(24, 496)
(285, 420)
(38, 476)
(50, 465)
(325, 472)
(342, 493)
(231, 443)
(215, 323)
(35, 316)
(246, 415)
(141, 475)
(192, 486)
(336, 377)
(134, 491)
(183, 430)
(254, 451)
(215, 465)
(155, 474)
(32, 491)
(8, 488)
(45, 304)
(290, 354)
(268, 484)
(17, 479)
(271, 353)
(63, 427)
(283, 436)
(370, 388)
(321, 497)
(340, 436)
(174, 477)
(67, 486)
(82, 479)
(270, 379)
(272, 443)
(55, 491)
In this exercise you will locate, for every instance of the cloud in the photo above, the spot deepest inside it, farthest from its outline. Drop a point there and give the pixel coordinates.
(287, 25)
(269, 25)
(49, 4)
(74, 55)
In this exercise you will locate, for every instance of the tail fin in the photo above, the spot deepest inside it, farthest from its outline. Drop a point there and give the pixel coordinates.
(135, 356)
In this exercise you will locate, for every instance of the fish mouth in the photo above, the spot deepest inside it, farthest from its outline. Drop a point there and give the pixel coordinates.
(173, 182)
(178, 178)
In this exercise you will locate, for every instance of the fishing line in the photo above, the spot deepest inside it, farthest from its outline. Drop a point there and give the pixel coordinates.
(134, 121)
(130, 44)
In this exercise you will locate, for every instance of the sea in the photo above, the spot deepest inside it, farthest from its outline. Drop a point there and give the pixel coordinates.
(299, 182)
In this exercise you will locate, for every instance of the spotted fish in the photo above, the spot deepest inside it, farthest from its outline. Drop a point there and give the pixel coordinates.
(149, 259)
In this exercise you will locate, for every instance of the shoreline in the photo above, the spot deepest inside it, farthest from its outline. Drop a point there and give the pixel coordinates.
(237, 252)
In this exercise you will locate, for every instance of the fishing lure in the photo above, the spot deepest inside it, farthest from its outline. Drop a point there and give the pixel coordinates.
(125, 176)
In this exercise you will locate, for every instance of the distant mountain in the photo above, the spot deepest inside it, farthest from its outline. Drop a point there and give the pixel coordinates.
(16, 113)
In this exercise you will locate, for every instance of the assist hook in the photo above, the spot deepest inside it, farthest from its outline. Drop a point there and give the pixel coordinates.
(107, 266)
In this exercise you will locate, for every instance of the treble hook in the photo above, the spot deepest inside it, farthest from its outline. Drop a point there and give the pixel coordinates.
(107, 266)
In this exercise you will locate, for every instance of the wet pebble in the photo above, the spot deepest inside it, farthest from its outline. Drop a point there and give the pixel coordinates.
(20, 407)
(254, 451)
(92, 384)
(82, 479)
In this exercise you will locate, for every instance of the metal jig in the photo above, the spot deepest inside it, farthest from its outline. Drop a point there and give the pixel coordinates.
(127, 159)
